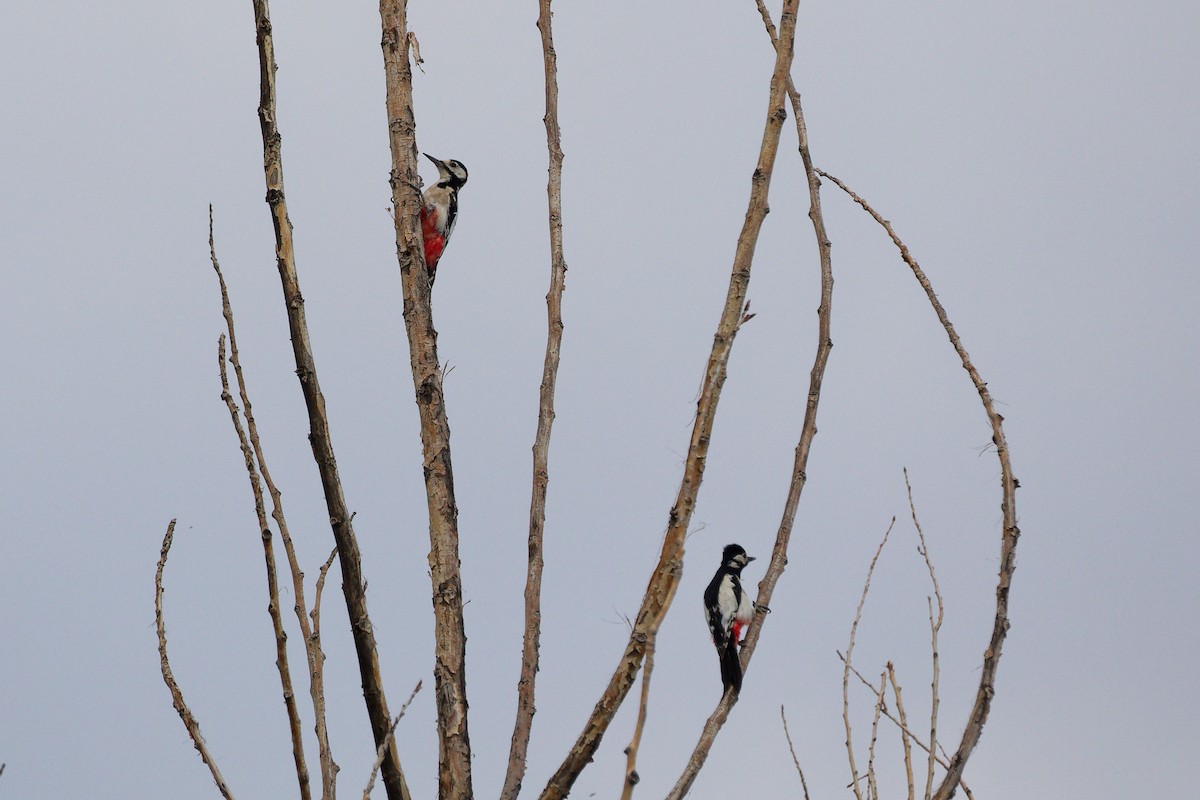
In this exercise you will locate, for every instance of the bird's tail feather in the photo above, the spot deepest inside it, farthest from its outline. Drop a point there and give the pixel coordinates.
(731, 668)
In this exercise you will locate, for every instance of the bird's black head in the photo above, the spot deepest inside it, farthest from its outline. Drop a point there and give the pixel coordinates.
(735, 557)
(452, 173)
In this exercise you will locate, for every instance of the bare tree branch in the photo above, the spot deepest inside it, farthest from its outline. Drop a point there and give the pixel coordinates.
(1008, 507)
(526, 707)
(846, 661)
(312, 642)
(450, 677)
(872, 784)
(185, 713)
(792, 750)
(353, 583)
(381, 753)
(903, 723)
(631, 752)
(669, 568)
(315, 614)
(264, 529)
(766, 586)
(934, 627)
(903, 728)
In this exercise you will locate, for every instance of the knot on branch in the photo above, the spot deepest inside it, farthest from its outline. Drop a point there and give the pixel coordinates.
(447, 591)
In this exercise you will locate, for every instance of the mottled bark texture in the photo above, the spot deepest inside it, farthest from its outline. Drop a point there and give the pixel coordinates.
(449, 671)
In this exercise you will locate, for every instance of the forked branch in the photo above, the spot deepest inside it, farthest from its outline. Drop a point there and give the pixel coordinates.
(663, 581)
(906, 734)
(256, 464)
(264, 529)
(808, 431)
(847, 659)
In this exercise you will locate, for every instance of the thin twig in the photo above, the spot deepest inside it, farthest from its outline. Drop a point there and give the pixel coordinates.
(353, 581)
(526, 706)
(846, 661)
(450, 639)
(903, 728)
(631, 752)
(792, 750)
(908, 768)
(315, 614)
(185, 713)
(254, 461)
(381, 753)
(1008, 507)
(934, 627)
(880, 699)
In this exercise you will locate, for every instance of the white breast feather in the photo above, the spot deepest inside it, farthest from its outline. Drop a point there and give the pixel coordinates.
(745, 611)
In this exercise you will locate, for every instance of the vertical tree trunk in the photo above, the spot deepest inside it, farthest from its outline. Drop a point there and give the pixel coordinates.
(450, 679)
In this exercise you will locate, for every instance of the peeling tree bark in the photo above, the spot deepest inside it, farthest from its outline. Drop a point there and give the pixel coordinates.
(450, 680)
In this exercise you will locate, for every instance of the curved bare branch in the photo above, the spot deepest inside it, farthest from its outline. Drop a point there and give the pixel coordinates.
(1008, 507)
(185, 713)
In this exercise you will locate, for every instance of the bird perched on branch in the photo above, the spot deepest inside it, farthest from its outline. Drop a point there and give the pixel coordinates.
(729, 610)
(439, 209)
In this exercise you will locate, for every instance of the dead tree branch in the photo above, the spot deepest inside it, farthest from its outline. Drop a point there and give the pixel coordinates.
(450, 677)
(669, 569)
(315, 614)
(902, 726)
(872, 784)
(903, 723)
(252, 450)
(526, 707)
(1008, 507)
(792, 750)
(766, 586)
(846, 661)
(381, 753)
(185, 713)
(353, 583)
(631, 752)
(264, 529)
(935, 626)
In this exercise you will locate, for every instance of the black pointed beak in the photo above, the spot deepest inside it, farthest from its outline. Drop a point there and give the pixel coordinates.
(440, 164)
(750, 558)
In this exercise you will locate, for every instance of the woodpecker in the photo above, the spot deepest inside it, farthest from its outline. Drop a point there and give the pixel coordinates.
(439, 209)
(729, 610)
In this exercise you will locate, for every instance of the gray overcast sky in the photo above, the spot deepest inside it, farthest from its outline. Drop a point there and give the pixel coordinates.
(1039, 159)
